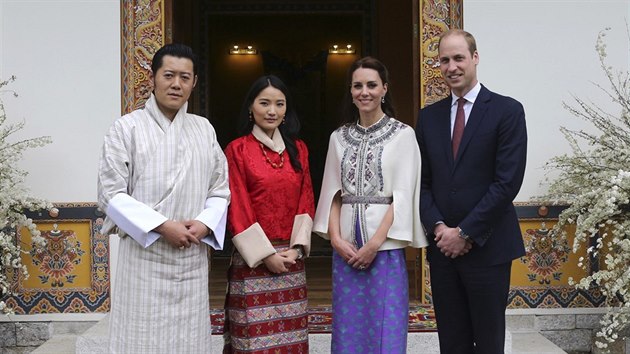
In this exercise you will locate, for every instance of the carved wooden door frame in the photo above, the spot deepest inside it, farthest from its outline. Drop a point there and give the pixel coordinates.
(146, 25)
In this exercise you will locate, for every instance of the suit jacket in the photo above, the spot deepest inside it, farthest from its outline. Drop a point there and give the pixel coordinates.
(475, 189)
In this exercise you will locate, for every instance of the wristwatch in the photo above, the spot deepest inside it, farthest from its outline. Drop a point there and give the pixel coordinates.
(300, 252)
(462, 234)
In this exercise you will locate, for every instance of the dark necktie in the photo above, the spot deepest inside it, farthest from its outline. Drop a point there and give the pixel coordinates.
(458, 129)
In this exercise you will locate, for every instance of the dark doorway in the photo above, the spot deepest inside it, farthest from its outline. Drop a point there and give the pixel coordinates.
(292, 38)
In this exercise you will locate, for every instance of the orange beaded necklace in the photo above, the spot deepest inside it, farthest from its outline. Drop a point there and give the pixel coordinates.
(273, 164)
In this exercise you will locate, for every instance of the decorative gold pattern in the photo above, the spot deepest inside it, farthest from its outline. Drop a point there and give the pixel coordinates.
(545, 256)
(436, 16)
(142, 36)
(143, 32)
(540, 279)
(60, 263)
(71, 275)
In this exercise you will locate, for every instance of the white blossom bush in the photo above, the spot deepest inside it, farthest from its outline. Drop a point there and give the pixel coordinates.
(14, 200)
(594, 181)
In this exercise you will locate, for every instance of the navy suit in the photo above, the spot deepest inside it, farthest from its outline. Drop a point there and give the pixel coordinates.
(474, 191)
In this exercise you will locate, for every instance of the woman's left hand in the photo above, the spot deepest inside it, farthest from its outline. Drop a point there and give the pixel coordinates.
(291, 255)
(364, 257)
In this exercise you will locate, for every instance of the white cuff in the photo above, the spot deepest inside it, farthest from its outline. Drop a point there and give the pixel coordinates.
(301, 233)
(214, 217)
(253, 245)
(136, 219)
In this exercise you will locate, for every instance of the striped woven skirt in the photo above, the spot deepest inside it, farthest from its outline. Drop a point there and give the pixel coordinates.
(160, 300)
(266, 312)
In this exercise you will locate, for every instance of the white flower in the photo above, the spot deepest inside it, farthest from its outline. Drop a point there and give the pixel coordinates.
(14, 200)
(594, 180)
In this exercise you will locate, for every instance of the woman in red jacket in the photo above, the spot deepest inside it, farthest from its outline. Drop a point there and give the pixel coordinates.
(270, 216)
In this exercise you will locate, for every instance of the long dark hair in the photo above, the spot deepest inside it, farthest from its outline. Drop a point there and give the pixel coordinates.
(350, 113)
(288, 130)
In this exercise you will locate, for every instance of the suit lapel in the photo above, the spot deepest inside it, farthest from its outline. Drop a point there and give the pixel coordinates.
(444, 128)
(474, 120)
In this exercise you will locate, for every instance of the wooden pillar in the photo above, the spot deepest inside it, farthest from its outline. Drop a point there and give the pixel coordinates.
(146, 26)
(143, 32)
(436, 16)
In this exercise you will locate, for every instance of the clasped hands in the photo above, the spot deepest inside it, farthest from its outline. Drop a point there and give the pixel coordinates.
(183, 234)
(358, 259)
(449, 242)
(281, 261)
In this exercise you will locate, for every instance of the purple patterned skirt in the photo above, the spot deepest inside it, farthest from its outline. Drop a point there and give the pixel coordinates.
(371, 306)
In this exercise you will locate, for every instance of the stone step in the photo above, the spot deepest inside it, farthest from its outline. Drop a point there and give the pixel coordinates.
(533, 343)
(522, 343)
(95, 341)
(58, 344)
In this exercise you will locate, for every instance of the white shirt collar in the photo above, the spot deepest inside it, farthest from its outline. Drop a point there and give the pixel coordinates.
(470, 96)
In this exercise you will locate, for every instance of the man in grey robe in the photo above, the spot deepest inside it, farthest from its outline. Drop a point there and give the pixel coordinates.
(163, 183)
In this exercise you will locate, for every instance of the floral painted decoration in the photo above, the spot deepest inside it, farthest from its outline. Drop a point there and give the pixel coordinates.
(14, 200)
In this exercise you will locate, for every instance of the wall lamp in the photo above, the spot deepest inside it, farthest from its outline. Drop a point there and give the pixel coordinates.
(335, 49)
(248, 50)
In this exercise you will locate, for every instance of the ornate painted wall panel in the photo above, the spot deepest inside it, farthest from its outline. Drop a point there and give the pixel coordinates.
(436, 16)
(540, 279)
(142, 35)
(71, 275)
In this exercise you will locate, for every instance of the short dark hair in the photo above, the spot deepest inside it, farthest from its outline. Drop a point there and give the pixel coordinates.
(176, 50)
(350, 112)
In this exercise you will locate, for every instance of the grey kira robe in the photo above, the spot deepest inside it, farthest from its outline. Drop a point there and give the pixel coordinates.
(152, 170)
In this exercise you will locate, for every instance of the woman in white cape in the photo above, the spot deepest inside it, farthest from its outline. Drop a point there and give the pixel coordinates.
(369, 209)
